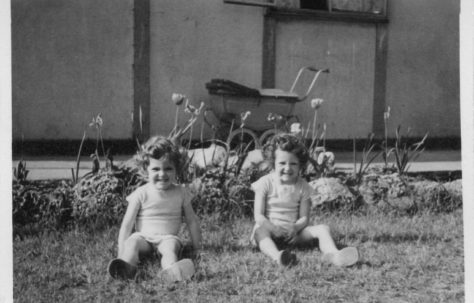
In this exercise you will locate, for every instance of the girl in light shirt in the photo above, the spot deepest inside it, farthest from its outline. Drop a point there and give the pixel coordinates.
(282, 207)
(154, 216)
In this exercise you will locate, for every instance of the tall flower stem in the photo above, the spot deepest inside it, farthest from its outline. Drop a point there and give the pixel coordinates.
(314, 129)
(202, 144)
(190, 137)
(354, 154)
(176, 118)
(102, 143)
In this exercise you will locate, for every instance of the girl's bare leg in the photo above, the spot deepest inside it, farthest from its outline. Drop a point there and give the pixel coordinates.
(266, 244)
(135, 246)
(125, 267)
(268, 247)
(169, 250)
(344, 257)
(320, 232)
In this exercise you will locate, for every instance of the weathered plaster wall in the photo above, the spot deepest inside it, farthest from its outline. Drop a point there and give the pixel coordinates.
(189, 48)
(70, 61)
(348, 51)
(423, 66)
(73, 59)
(195, 41)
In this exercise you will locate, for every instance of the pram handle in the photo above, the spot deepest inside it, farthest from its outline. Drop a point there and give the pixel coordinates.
(317, 72)
(314, 69)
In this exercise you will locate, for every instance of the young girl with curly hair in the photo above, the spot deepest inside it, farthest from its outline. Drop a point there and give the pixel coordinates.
(282, 207)
(154, 216)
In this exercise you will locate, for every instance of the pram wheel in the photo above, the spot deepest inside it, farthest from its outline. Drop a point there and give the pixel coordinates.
(243, 140)
(267, 135)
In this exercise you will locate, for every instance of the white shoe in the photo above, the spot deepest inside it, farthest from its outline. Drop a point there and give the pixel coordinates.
(347, 256)
(179, 271)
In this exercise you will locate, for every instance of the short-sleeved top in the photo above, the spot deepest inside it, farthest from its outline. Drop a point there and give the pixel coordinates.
(161, 211)
(282, 200)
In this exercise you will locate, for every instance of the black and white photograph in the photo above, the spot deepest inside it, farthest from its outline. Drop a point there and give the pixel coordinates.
(237, 151)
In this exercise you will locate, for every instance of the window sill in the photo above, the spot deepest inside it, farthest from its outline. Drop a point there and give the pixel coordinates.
(341, 16)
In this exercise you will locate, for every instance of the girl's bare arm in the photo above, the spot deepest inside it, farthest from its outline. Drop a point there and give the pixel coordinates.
(259, 215)
(127, 224)
(193, 226)
(303, 217)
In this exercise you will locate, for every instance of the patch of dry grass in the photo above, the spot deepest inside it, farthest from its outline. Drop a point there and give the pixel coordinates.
(404, 259)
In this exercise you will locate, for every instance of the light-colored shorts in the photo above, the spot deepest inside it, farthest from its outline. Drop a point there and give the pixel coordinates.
(280, 241)
(157, 239)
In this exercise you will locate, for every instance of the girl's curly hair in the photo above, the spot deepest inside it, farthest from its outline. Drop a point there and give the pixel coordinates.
(158, 147)
(289, 143)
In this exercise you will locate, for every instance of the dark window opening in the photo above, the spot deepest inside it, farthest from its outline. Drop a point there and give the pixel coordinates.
(314, 4)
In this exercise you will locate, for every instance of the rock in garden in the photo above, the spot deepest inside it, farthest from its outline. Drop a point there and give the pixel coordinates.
(205, 157)
(454, 188)
(329, 190)
(389, 188)
(438, 196)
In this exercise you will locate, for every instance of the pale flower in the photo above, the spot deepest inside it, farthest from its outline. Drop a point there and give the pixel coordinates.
(274, 118)
(316, 103)
(198, 110)
(190, 109)
(178, 98)
(271, 117)
(386, 115)
(97, 121)
(326, 157)
(295, 128)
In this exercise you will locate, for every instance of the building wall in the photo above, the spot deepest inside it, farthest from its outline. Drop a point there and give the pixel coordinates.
(195, 41)
(348, 51)
(422, 86)
(423, 66)
(71, 60)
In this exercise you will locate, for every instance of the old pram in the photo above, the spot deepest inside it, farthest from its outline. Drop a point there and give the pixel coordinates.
(229, 101)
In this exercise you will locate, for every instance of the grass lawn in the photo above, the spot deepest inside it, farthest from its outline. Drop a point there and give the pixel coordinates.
(404, 259)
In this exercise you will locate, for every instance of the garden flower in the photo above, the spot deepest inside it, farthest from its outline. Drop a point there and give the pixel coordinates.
(326, 157)
(386, 115)
(178, 99)
(97, 121)
(316, 103)
(271, 117)
(190, 109)
(274, 118)
(295, 128)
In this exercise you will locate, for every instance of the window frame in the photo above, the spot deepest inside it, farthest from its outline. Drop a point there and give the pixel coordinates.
(277, 9)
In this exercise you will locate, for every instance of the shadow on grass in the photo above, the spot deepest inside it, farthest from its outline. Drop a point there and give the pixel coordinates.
(398, 237)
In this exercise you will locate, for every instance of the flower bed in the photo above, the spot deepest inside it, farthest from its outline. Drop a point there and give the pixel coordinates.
(98, 199)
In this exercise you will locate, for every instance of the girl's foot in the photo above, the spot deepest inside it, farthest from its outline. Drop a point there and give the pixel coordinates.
(119, 269)
(345, 257)
(287, 258)
(179, 271)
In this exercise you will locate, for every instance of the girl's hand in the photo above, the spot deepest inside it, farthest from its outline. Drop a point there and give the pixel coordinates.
(196, 256)
(290, 233)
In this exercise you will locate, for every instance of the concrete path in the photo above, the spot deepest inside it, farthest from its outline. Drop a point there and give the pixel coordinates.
(60, 167)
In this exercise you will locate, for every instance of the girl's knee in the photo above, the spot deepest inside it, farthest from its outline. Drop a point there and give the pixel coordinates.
(133, 242)
(261, 233)
(324, 228)
(137, 245)
(171, 246)
(319, 229)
